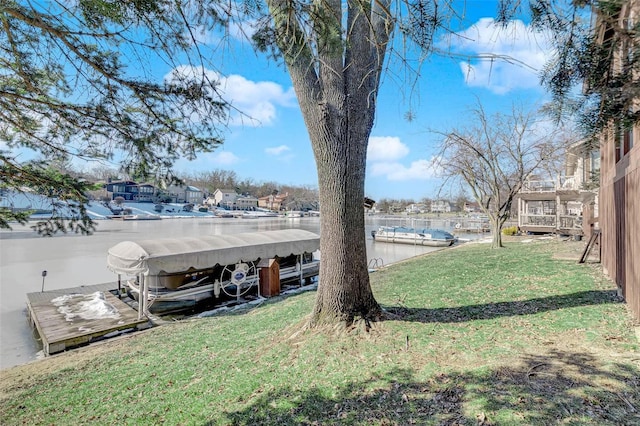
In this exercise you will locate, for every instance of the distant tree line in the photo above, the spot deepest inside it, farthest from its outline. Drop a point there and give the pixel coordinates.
(207, 182)
(395, 205)
(225, 179)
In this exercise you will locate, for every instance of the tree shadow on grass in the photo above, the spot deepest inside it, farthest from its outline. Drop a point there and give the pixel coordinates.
(503, 309)
(559, 387)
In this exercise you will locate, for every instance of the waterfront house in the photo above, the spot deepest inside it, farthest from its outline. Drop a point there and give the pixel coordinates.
(245, 202)
(186, 194)
(275, 202)
(416, 208)
(144, 193)
(210, 202)
(125, 189)
(564, 205)
(225, 198)
(131, 191)
(440, 206)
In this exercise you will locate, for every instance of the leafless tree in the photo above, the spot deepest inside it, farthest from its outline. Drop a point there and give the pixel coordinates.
(494, 155)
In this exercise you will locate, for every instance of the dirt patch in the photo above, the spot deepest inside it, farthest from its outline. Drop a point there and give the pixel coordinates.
(563, 248)
(570, 249)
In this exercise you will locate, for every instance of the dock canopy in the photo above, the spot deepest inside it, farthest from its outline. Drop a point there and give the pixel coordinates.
(171, 255)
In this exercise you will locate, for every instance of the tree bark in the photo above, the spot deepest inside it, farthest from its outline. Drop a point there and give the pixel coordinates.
(344, 291)
(496, 242)
(496, 225)
(336, 81)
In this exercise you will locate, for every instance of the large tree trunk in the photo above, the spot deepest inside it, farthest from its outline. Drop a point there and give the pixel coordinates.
(344, 292)
(496, 242)
(336, 81)
(496, 228)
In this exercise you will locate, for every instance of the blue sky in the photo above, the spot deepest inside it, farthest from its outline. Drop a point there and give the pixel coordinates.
(276, 147)
(273, 145)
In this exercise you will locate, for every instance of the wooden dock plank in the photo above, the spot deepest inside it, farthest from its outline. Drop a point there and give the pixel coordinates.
(61, 328)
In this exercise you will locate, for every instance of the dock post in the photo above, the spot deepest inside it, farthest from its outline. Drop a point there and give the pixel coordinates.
(301, 264)
(44, 274)
(142, 297)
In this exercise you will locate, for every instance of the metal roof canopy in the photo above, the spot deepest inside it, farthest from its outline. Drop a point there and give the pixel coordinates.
(171, 255)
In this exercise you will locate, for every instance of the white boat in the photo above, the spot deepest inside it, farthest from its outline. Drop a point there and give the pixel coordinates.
(140, 216)
(258, 213)
(218, 212)
(294, 214)
(421, 237)
(172, 274)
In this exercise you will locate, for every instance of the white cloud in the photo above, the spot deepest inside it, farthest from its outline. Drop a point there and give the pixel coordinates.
(417, 170)
(208, 161)
(384, 153)
(242, 31)
(386, 148)
(253, 103)
(277, 150)
(257, 101)
(203, 35)
(508, 57)
(222, 158)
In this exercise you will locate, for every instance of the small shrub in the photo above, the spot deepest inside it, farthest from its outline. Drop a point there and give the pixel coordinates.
(511, 230)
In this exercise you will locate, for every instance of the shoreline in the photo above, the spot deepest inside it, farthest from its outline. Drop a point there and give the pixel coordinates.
(74, 259)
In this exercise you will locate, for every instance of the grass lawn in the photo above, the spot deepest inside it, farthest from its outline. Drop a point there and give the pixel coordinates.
(478, 337)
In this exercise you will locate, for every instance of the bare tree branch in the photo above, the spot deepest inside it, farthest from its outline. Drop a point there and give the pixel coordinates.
(494, 156)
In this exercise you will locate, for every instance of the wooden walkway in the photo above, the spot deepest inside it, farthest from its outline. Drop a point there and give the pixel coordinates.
(63, 326)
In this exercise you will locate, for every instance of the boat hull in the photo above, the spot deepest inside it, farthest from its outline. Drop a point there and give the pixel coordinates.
(135, 217)
(164, 299)
(419, 237)
(413, 241)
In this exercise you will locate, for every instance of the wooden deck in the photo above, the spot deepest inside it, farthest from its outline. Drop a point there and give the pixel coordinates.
(60, 328)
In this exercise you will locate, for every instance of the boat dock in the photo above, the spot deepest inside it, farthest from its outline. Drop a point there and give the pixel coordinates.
(72, 317)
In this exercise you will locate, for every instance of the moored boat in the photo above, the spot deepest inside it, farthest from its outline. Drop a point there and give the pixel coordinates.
(258, 213)
(404, 235)
(140, 216)
(171, 274)
(218, 212)
(294, 214)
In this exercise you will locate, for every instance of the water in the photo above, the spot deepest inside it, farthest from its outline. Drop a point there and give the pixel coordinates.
(74, 260)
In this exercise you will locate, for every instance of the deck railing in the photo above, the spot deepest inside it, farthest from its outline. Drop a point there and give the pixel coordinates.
(546, 220)
(570, 222)
(562, 183)
(538, 220)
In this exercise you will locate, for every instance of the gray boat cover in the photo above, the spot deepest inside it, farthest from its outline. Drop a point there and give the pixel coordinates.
(169, 255)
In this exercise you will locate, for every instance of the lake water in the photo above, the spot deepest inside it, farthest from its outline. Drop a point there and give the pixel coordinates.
(74, 260)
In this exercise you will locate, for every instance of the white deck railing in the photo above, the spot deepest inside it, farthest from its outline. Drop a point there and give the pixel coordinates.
(562, 183)
(538, 220)
(546, 220)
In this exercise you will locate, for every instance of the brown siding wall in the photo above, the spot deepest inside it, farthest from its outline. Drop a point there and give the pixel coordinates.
(620, 194)
(620, 220)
